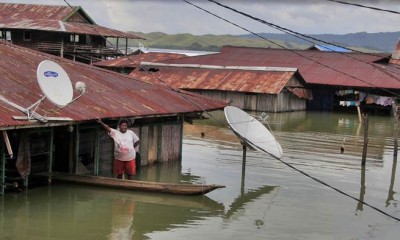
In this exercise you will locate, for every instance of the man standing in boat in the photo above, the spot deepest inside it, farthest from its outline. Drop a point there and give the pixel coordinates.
(125, 142)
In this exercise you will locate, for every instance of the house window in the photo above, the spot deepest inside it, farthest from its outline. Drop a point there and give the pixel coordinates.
(74, 38)
(1, 34)
(27, 35)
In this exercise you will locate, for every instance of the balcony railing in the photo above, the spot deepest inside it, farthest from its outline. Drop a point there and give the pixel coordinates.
(76, 48)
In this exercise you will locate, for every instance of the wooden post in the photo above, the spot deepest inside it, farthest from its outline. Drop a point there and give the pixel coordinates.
(359, 114)
(243, 167)
(51, 145)
(365, 124)
(395, 133)
(362, 190)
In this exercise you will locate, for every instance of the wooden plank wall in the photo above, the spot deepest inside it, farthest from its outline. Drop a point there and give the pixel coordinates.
(283, 102)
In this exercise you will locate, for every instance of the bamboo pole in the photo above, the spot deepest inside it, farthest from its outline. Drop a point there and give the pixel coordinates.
(365, 124)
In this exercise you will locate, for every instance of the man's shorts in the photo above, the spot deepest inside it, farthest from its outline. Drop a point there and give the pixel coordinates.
(120, 167)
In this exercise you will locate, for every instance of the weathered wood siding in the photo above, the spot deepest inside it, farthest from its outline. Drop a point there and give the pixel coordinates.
(171, 142)
(158, 143)
(283, 102)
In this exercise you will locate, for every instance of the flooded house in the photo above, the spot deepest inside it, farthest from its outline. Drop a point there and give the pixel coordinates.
(270, 89)
(338, 80)
(326, 79)
(39, 136)
(252, 88)
(65, 31)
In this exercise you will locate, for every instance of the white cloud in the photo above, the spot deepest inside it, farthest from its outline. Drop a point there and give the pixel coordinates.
(175, 16)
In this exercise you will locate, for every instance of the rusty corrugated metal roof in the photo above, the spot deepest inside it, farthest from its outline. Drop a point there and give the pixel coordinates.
(218, 78)
(109, 94)
(134, 60)
(316, 67)
(52, 18)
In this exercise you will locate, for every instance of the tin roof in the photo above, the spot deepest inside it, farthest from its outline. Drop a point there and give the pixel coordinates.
(134, 60)
(231, 78)
(328, 48)
(53, 18)
(316, 67)
(108, 94)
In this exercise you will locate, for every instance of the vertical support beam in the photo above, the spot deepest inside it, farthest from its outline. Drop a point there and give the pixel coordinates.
(365, 124)
(181, 122)
(117, 45)
(2, 170)
(97, 152)
(76, 150)
(71, 150)
(51, 144)
(62, 46)
(126, 46)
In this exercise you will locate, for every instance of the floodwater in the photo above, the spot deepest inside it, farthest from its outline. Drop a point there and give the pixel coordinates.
(266, 199)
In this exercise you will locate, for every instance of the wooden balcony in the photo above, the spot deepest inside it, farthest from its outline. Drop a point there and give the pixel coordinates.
(77, 49)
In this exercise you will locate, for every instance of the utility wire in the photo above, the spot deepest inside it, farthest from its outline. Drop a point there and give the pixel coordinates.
(300, 171)
(180, 93)
(338, 190)
(293, 51)
(301, 36)
(364, 6)
(306, 38)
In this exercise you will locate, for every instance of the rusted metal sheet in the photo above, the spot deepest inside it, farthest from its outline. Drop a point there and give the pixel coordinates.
(53, 18)
(268, 82)
(109, 94)
(134, 60)
(316, 67)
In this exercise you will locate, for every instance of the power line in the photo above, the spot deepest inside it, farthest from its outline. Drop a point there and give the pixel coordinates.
(364, 6)
(305, 37)
(290, 165)
(338, 190)
(295, 52)
(179, 92)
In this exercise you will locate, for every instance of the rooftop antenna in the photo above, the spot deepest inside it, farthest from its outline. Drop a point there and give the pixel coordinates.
(56, 87)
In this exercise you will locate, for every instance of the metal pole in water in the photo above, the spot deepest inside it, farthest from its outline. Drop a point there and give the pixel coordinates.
(243, 167)
(365, 124)
(395, 134)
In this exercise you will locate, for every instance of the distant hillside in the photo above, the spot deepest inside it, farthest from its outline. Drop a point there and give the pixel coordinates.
(375, 42)
(204, 42)
(383, 42)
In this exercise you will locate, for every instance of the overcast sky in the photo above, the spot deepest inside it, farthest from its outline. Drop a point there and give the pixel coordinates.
(176, 16)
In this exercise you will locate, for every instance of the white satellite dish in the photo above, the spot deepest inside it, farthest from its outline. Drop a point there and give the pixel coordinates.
(252, 132)
(143, 49)
(54, 83)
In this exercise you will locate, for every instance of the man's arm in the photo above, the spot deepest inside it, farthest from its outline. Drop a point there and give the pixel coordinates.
(105, 126)
(136, 144)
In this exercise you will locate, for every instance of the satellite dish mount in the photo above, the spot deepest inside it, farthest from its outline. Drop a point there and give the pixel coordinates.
(56, 87)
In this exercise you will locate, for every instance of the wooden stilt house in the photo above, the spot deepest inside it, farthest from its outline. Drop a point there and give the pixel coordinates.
(64, 31)
(75, 143)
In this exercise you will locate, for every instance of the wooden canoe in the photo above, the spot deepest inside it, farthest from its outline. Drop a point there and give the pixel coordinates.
(159, 187)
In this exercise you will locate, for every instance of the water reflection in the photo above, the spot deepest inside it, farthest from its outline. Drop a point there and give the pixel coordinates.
(75, 212)
(390, 199)
(263, 199)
